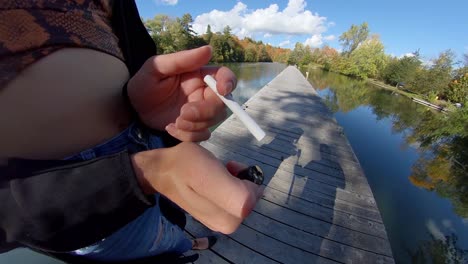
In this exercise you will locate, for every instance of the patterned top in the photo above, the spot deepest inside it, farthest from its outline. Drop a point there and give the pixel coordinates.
(32, 29)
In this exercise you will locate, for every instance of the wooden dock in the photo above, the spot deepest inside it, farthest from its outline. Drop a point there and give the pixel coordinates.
(318, 206)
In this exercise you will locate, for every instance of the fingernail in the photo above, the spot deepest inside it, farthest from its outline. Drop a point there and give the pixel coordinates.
(229, 86)
(184, 125)
(171, 128)
(190, 113)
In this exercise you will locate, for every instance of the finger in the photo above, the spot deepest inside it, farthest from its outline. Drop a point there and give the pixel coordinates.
(188, 136)
(235, 196)
(201, 111)
(226, 80)
(185, 125)
(179, 62)
(235, 167)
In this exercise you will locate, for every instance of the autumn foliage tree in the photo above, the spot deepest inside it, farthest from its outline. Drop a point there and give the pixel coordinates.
(176, 34)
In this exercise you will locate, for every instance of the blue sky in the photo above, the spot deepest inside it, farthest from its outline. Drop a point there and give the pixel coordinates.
(403, 25)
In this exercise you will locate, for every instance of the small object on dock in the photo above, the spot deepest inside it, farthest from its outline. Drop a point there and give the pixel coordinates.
(251, 125)
(253, 174)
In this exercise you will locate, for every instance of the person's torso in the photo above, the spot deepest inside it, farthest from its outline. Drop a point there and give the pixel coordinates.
(62, 75)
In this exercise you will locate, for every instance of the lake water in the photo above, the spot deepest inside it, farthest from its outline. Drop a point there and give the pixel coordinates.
(421, 222)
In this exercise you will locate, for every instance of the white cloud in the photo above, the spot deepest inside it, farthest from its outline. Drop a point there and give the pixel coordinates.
(314, 41)
(284, 43)
(267, 35)
(329, 38)
(434, 230)
(409, 55)
(317, 40)
(295, 19)
(167, 2)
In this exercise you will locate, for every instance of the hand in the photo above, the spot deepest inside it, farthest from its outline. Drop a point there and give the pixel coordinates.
(193, 178)
(168, 93)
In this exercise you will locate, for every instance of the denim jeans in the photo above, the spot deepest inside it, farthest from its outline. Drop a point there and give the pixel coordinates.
(151, 233)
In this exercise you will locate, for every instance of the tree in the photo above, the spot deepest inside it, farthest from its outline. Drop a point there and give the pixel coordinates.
(458, 88)
(433, 81)
(368, 58)
(159, 29)
(251, 53)
(402, 70)
(352, 38)
(297, 54)
(208, 35)
(263, 55)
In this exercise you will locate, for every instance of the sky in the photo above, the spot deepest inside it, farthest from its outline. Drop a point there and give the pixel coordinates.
(404, 26)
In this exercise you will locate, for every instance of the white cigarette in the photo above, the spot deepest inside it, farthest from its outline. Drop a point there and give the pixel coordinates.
(253, 127)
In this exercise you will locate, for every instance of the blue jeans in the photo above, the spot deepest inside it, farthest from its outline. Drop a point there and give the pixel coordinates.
(151, 233)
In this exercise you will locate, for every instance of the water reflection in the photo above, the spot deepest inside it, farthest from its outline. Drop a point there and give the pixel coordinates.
(435, 147)
(252, 77)
(444, 164)
(442, 249)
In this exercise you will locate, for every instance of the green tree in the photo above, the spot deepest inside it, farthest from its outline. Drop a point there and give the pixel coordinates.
(251, 53)
(307, 56)
(369, 58)
(458, 88)
(263, 55)
(439, 250)
(352, 38)
(402, 70)
(433, 81)
(297, 54)
(218, 48)
(208, 35)
(159, 29)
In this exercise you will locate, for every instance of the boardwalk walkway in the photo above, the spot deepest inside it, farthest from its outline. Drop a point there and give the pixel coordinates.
(318, 206)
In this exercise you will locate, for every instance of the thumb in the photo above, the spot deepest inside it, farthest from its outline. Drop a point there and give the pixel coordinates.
(179, 62)
(235, 167)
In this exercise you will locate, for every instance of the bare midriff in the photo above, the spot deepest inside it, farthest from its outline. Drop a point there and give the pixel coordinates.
(67, 102)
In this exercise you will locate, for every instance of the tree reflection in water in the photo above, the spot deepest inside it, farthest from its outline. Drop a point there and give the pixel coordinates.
(439, 250)
(442, 139)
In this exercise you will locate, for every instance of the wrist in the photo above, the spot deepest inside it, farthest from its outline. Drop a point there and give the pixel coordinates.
(149, 167)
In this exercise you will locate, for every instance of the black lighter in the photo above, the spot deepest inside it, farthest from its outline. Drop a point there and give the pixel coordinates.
(253, 174)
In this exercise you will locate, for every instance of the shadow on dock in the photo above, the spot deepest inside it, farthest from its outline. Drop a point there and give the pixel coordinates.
(317, 205)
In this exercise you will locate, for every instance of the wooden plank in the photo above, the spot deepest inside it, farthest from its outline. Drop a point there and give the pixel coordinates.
(306, 179)
(301, 157)
(323, 229)
(237, 247)
(229, 248)
(274, 169)
(205, 256)
(275, 144)
(316, 133)
(370, 213)
(312, 243)
(326, 214)
(317, 205)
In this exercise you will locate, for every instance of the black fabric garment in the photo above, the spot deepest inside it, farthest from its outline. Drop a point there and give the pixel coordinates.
(59, 206)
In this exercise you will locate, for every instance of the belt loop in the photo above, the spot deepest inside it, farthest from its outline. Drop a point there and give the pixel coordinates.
(88, 154)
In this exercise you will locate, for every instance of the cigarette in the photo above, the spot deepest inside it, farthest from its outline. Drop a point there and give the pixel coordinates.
(251, 125)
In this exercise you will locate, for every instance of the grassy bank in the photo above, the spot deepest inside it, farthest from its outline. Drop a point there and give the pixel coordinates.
(441, 103)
